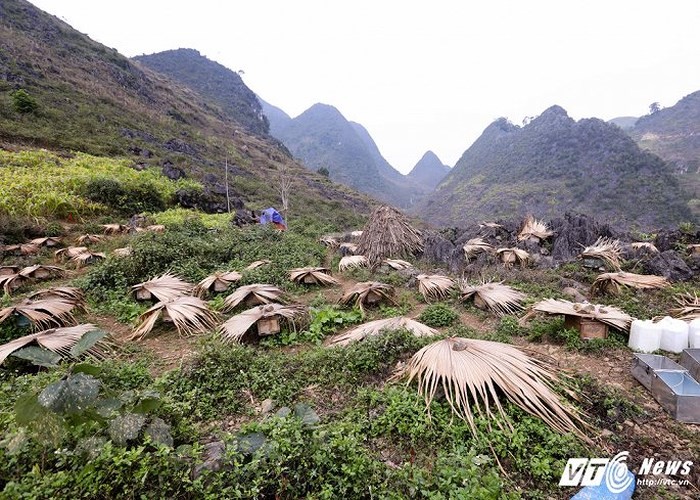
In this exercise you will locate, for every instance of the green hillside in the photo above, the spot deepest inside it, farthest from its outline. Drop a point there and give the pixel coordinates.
(61, 90)
(555, 164)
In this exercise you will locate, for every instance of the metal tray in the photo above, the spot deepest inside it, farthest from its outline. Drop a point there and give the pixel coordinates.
(645, 364)
(690, 360)
(678, 393)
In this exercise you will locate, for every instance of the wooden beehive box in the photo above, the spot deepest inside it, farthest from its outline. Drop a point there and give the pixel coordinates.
(269, 326)
(221, 285)
(42, 274)
(588, 328)
(143, 294)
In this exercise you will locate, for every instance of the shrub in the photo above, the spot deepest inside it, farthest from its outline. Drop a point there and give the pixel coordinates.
(140, 197)
(23, 102)
(438, 315)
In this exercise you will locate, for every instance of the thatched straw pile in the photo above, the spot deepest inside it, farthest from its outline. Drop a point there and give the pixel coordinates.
(388, 235)
(609, 315)
(497, 297)
(605, 249)
(613, 282)
(534, 230)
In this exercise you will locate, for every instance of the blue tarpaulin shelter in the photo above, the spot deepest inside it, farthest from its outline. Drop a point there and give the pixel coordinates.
(270, 215)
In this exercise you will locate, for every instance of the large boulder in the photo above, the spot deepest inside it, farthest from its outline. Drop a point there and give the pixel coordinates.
(670, 265)
(439, 250)
(573, 232)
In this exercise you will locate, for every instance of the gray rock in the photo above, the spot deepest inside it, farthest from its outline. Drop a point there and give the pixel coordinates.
(670, 265)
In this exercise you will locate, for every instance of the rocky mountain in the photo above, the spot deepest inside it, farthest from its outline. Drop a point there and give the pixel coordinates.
(277, 118)
(323, 138)
(78, 95)
(674, 134)
(429, 170)
(552, 165)
(213, 81)
(624, 122)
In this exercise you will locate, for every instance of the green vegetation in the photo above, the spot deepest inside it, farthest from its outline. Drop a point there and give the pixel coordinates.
(438, 315)
(22, 102)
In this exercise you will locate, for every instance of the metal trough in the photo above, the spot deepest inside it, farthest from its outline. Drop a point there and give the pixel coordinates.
(690, 360)
(678, 393)
(645, 364)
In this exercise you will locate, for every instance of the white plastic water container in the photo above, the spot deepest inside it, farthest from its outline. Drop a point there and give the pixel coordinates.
(694, 334)
(674, 335)
(645, 336)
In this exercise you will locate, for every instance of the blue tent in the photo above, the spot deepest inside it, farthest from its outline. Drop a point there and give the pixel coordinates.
(271, 215)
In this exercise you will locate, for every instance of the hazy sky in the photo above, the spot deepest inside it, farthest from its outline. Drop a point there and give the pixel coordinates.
(424, 75)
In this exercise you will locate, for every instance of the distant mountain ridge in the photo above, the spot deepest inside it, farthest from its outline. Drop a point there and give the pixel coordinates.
(429, 170)
(323, 138)
(552, 165)
(212, 80)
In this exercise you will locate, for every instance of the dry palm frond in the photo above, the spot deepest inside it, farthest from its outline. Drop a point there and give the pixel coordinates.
(644, 245)
(490, 225)
(89, 239)
(497, 297)
(613, 282)
(256, 264)
(368, 293)
(122, 252)
(510, 256)
(313, 276)
(329, 241)
(41, 272)
(534, 229)
(356, 234)
(88, 258)
(605, 249)
(8, 270)
(164, 288)
(434, 286)
(11, 282)
(252, 295)
(156, 228)
(475, 246)
(217, 282)
(115, 228)
(473, 373)
(688, 307)
(190, 315)
(347, 248)
(235, 328)
(22, 249)
(373, 328)
(609, 315)
(67, 293)
(58, 340)
(352, 262)
(397, 264)
(42, 313)
(68, 253)
(388, 234)
(50, 241)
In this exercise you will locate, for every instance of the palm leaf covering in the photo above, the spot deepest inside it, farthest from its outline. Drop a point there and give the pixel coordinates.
(190, 315)
(255, 294)
(329, 241)
(87, 257)
(644, 245)
(11, 282)
(88, 239)
(434, 286)
(256, 264)
(510, 256)
(688, 307)
(388, 234)
(609, 315)
(21, 249)
(352, 262)
(39, 271)
(68, 253)
(397, 264)
(534, 229)
(67, 293)
(497, 297)
(313, 276)
(605, 249)
(472, 374)
(235, 328)
(217, 282)
(115, 228)
(164, 288)
(373, 328)
(613, 282)
(50, 241)
(8, 270)
(474, 247)
(58, 340)
(369, 292)
(43, 313)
